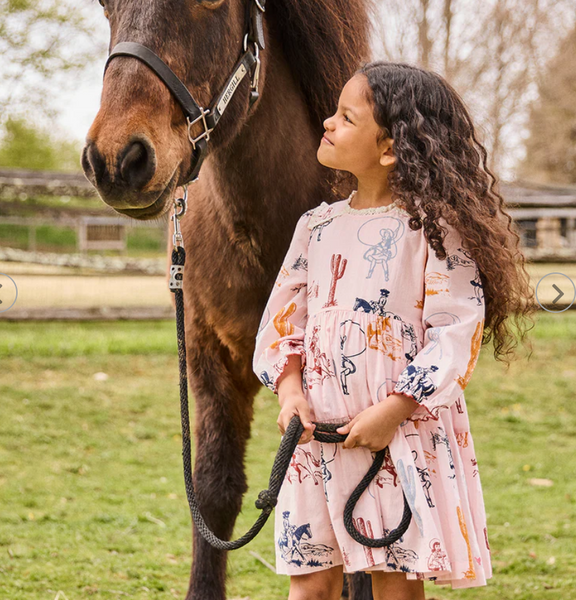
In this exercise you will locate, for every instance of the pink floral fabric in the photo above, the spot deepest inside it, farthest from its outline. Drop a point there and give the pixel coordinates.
(371, 311)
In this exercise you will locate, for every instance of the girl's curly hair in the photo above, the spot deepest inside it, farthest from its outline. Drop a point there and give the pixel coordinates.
(441, 172)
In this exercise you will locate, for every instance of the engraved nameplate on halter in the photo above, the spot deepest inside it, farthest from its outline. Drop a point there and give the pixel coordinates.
(236, 79)
(176, 277)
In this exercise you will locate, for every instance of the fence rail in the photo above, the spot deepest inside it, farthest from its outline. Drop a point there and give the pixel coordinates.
(22, 183)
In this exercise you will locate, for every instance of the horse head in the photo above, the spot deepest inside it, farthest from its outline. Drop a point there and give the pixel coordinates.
(303, 532)
(137, 150)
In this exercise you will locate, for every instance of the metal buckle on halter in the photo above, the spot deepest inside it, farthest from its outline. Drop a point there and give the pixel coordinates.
(205, 133)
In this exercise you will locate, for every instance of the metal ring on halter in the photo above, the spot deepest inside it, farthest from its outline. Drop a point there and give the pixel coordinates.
(180, 203)
(245, 45)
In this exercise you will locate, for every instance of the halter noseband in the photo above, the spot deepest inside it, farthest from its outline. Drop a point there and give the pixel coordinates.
(192, 111)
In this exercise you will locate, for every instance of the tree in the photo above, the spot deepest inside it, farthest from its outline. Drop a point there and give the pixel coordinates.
(551, 147)
(44, 44)
(28, 147)
(492, 52)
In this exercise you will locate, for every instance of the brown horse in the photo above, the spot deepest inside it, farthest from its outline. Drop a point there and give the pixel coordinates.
(259, 176)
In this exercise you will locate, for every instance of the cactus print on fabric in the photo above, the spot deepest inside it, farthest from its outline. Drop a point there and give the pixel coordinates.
(371, 311)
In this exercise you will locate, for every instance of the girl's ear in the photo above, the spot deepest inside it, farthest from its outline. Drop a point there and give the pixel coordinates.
(387, 158)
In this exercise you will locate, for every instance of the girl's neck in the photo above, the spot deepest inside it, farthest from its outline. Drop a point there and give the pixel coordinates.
(372, 195)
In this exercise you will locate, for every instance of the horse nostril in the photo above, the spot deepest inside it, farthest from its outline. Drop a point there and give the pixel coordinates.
(93, 163)
(138, 164)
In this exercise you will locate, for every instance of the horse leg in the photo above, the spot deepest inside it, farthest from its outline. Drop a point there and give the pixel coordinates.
(223, 415)
(360, 586)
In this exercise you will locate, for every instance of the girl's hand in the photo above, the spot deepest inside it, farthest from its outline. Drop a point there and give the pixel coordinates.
(375, 426)
(296, 404)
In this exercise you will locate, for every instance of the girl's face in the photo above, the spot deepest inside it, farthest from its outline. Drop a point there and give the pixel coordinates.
(350, 142)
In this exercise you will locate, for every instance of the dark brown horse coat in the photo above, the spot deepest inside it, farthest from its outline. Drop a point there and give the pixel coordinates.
(260, 175)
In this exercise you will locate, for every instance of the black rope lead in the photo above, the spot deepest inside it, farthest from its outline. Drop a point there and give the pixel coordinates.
(267, 499)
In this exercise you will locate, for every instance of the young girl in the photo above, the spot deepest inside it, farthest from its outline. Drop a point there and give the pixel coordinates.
(376, 319)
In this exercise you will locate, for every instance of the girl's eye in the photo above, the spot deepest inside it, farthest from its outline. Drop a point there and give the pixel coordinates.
(349, 121)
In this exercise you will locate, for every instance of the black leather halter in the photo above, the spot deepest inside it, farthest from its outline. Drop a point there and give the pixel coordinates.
(192, 111)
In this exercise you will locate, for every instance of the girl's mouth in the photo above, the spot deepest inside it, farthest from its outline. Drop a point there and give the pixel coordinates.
(327, 141)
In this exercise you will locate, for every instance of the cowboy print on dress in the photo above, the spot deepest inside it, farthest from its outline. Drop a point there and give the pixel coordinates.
(371, 311)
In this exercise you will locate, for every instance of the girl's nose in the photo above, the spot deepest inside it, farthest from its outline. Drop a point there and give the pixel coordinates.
(327, 123)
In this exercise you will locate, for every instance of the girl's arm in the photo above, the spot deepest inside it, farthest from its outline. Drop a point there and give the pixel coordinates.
(292, 400)
(453, 319)
(282, 327)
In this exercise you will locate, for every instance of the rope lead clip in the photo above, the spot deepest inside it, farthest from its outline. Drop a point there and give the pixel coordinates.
(177, 267)
(180, 205)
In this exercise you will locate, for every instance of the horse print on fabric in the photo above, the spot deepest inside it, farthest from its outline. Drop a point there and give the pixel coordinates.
(318, 365)
(295, 550)
(381, 235)
(380, 336)
(304, 465)
(387, 468)
(377, 307)
(350, 348)
(415, 380)
(455, 260)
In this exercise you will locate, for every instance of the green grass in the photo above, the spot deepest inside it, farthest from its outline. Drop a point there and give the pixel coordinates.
(92, 501)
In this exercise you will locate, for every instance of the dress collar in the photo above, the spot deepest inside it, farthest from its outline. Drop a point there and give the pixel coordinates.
(326, 212)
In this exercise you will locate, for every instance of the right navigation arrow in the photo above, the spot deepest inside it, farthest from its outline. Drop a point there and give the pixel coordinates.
(560, 293)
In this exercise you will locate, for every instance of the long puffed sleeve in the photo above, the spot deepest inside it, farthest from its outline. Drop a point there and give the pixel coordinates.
(453, 320)
(283, 323)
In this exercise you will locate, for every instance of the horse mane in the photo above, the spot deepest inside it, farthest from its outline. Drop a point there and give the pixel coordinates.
(324, 42)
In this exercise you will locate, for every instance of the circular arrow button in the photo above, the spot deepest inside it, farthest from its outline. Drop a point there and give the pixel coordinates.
(8, 292)
(553, 288)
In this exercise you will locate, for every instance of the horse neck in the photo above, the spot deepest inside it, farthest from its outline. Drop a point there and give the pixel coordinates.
(269, 175)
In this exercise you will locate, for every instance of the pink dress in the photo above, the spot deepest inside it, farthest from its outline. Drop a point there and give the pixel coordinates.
(372, 311)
